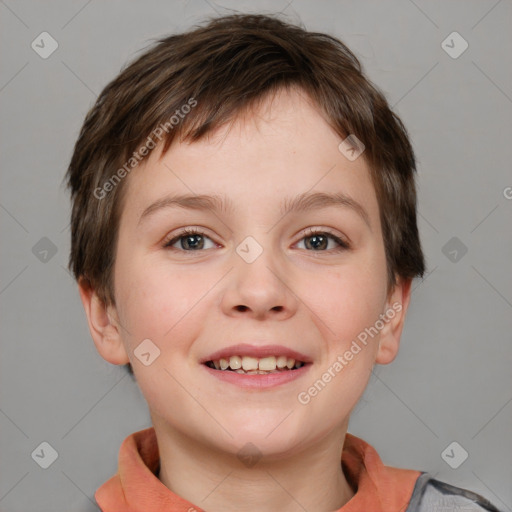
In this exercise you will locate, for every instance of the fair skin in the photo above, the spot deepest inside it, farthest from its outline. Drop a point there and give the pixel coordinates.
(189, 303)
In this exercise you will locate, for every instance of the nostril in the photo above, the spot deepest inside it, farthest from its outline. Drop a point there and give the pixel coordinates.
(241, 307)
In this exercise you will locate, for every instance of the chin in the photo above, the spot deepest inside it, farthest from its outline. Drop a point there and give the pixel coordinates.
(271, 435)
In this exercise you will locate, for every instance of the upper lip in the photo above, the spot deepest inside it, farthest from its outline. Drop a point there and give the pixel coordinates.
(258, 351)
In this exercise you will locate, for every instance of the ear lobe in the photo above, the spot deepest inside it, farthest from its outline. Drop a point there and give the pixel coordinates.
(396, 309)
(104, 328)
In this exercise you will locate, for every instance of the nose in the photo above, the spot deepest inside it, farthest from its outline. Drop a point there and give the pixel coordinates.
(259, 289)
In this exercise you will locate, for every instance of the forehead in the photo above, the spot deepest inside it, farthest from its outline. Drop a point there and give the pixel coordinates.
(279, 148)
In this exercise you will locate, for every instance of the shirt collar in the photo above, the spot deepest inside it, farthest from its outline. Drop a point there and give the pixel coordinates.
(136, 488)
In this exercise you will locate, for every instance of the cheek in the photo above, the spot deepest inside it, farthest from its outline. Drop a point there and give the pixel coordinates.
(345, 301)
(167, 308)
(162, 305)
(345, 305)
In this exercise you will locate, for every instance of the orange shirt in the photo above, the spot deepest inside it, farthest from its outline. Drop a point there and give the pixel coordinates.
(135, 487)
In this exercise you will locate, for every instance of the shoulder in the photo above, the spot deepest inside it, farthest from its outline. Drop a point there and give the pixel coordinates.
(430, 495)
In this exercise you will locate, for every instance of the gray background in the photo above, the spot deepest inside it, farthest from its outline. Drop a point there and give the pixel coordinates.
(452, 380)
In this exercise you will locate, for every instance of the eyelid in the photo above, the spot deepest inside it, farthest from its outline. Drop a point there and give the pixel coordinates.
(170, 239)
(343, 241)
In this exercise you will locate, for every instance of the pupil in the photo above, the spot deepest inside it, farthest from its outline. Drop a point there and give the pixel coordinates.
(187, 244)
(316, 243)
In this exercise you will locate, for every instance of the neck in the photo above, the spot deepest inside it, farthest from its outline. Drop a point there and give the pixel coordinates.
(309, 479)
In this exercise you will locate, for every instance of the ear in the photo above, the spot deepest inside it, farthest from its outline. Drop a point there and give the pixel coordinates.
(103, 325)
(394, 318)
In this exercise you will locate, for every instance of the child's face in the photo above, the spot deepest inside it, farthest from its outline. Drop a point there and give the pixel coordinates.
(300, 292)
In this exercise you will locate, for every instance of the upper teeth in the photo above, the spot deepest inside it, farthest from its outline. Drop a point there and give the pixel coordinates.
(253, 363)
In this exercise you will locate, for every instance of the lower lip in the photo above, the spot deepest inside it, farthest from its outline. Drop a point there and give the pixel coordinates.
(258, 381)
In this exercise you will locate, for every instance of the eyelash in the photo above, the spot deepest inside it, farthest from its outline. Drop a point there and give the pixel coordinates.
(343, 245)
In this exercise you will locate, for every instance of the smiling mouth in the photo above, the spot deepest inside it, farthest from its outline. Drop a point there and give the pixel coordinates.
(255, 366)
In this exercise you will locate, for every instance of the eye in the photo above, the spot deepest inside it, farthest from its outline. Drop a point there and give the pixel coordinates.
(193, 240)
(189, 240)
(318, 239)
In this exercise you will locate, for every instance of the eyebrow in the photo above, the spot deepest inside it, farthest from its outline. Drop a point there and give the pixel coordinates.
(306, 201)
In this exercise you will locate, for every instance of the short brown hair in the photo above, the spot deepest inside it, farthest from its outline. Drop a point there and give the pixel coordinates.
(227, 66)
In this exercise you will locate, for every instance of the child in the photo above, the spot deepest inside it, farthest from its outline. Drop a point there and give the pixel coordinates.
(244, 238)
